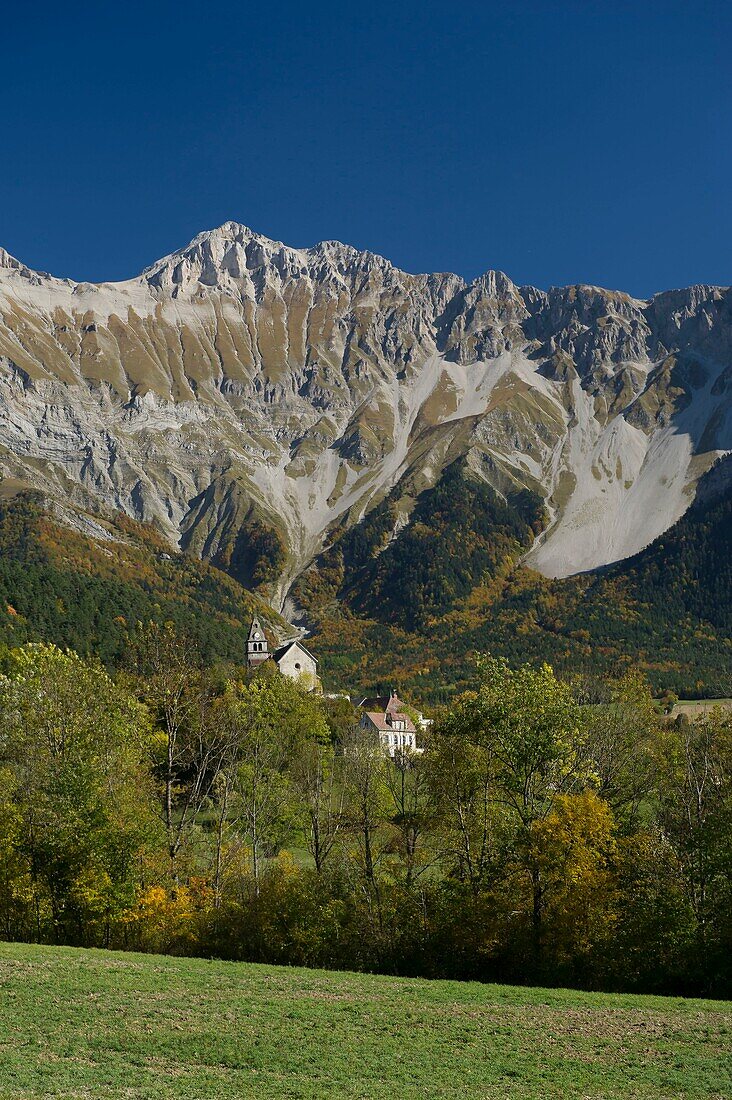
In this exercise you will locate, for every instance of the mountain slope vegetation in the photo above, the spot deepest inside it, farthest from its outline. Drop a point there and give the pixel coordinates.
(413, 615)
(668, 610)
(89, 593)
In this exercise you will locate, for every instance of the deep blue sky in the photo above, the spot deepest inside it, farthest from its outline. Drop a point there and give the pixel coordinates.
(561, 142)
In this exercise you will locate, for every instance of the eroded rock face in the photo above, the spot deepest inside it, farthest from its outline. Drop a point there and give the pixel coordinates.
(242, 390)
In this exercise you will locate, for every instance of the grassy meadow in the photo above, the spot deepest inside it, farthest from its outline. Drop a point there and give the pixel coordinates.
(700, 708)
(93, 1024)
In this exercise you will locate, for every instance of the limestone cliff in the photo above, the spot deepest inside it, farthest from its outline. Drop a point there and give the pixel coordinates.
(249, 398)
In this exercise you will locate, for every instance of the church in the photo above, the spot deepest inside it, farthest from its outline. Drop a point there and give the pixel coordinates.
(292, 659)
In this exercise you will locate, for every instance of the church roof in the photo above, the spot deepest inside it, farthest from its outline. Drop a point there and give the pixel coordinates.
(283, 649)
(375, 702)
(394, 706)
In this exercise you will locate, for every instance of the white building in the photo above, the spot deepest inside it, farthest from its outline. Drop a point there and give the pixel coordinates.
(385, 718)
(297, 662)
(292, 658)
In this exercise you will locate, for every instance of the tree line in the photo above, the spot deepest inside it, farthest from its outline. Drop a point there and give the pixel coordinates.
(550, 832)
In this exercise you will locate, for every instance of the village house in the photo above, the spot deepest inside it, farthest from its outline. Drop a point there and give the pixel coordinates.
(385, 718)
(382, 716)
(292, 659)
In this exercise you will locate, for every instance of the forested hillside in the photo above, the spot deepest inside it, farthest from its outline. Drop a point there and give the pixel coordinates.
(459, 589)
(411, 571)
(90, 592)
(389, 607)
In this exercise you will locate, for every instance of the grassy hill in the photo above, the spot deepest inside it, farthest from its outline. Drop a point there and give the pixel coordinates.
(98, 1024)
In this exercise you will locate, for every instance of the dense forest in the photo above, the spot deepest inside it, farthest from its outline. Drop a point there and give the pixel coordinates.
(458, 534)
(88, 593)
(547, 833)
(416, 606)
(390, 605)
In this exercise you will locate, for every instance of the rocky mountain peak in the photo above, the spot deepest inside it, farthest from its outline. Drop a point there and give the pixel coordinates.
(494, 284)
(241, 393)
(217, 258)
(680, 318)
(7, 261)
(11, 268)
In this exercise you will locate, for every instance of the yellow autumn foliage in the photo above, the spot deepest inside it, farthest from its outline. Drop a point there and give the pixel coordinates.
(168, 920)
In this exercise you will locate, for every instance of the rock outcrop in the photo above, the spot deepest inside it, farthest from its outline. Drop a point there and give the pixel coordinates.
(247, 398)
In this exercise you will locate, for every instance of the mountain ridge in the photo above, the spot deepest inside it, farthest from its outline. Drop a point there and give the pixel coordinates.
(252, 400)
(231, 230)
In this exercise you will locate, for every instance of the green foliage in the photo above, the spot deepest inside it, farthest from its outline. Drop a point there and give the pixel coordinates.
(554, 832)
(411, 612)
(532, 726)
(78, 802)
(61, 587)
(257, 556)
(667, 611)
(459, 533)
(272, 722)
(521, 750)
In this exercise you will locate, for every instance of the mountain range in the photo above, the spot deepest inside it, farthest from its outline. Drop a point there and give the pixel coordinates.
(345, 438)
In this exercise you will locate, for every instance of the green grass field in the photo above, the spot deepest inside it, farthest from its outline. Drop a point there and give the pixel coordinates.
(76, 1023)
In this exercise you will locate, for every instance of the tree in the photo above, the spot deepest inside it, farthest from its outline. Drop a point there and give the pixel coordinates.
(574, 847)
(622, 740)
(74, 746)
(19, 918)
(193, 744)
(461, 783)
(696, 813)
(321, 794)
(408, 782)
(651, 947)
(367, 805)
(530, 732)
(273, 722)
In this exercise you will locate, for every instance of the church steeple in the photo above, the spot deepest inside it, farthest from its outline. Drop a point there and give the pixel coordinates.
(257, 646)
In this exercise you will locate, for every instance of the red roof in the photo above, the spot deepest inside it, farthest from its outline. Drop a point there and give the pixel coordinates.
(395, 704)
(385, 722)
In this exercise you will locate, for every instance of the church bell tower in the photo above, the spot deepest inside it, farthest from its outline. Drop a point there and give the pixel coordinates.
(257, 647)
